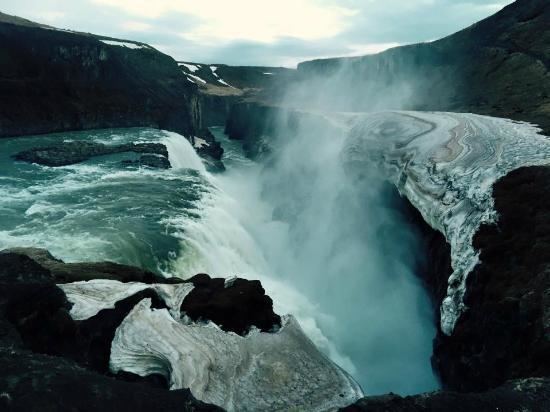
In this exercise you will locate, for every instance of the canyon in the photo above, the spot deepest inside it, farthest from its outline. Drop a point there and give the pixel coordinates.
(439, 150)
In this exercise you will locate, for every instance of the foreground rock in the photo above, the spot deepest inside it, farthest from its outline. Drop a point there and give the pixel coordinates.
(138, 336)
(26, 263)
(531, 395)
(35, 323)
(34, 382)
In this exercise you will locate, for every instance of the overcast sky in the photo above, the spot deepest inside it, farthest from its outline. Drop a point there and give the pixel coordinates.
(261, 32)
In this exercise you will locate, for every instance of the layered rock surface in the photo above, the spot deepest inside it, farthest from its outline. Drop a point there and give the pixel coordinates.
(139, 332)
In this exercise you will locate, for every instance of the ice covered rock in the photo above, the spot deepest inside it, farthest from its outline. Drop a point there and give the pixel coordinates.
(259, 371)
(90, 297)
(446, 165)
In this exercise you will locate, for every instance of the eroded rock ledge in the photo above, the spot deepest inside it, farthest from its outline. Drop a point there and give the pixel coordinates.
(137, 331)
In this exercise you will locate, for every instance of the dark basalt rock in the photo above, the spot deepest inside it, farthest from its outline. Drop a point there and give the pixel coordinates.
(235, 307)
(34, 311)
(34, 315)
(505, 334)
(39, 311)
(157, 162)
(17, 267)
(520, 395)
(71, 272)
(70, 153)
(211, 152)
(34, 382)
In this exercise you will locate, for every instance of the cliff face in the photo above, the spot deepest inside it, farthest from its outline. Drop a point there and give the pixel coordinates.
(505, 334)
(53, 80)
(498, 67)
(221, 87)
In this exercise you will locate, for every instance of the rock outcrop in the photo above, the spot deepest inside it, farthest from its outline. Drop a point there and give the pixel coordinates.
(234, 305)
(69, 153)
(50, 361)
(150, 337)
(35, 382)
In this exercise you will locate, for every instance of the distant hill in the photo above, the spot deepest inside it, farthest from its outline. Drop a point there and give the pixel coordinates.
(499, 66)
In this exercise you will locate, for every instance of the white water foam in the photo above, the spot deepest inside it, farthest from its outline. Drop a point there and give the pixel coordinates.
(222, 244)
(181, 153)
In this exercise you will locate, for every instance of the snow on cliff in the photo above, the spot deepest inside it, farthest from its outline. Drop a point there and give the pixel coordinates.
(260, 371)
(446, 165)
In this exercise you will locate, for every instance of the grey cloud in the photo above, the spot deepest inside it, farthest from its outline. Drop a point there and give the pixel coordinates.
(379, 21)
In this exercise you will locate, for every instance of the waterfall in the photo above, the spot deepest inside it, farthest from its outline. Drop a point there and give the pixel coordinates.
(181, 153)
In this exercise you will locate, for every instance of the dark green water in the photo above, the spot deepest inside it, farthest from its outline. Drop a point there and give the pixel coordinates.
(98, 209)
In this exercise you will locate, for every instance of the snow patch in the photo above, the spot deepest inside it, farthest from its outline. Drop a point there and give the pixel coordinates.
(224, 83)
(191, 67)
(196, 78)
(198, 142)
(123, 44)
(92, 296)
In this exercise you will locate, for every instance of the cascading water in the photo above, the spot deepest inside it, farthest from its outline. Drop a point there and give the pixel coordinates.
(333, 250)
(327, 248)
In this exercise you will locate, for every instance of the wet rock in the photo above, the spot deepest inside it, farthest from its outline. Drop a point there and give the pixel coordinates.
(75, 152)
(235, 307)
(35, 324)
(209, 149)
(157, 162)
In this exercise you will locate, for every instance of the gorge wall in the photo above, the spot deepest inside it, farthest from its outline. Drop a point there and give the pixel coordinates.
(53, 80)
